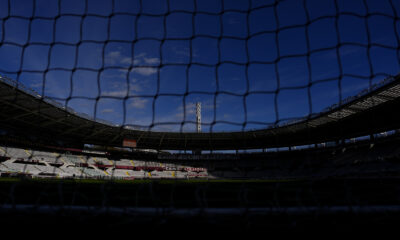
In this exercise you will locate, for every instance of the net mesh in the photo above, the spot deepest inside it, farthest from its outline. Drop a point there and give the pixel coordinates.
(251, 65)
(145, 64)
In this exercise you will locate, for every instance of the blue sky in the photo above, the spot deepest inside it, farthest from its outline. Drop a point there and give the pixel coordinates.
(250, 63)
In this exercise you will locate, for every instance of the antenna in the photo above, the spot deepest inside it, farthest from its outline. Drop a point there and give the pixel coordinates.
(198, 116)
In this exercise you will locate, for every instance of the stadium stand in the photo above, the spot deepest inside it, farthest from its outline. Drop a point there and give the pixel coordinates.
(358, 158)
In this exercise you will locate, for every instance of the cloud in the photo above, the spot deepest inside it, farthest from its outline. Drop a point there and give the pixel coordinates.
(190, 110)
(107, 110)
(151, 60)
(36, 85)
(147, 64)
(143, 59)
(135, 87)
(176, 116)
(207, 109)
(119, 93)
(116, 57)
(139, 103)
(170, 120)
(145, 71)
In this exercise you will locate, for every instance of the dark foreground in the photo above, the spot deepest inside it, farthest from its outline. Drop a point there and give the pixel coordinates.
(334, 204)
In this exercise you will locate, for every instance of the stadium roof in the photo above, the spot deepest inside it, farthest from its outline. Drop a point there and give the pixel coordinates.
(26, 112)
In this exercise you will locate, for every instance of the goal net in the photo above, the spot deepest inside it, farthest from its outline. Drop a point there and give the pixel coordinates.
(198, 67)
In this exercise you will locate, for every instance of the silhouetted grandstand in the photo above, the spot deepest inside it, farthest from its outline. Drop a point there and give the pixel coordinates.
(53, 124)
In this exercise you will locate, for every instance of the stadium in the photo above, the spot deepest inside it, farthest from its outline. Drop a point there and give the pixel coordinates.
(219, 115)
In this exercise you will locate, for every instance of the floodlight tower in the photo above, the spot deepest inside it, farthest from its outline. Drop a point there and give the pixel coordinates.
(198, 116)
(198, 126)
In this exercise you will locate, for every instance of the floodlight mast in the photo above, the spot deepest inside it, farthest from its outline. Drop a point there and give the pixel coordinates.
(198, 125)
(198, 116)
